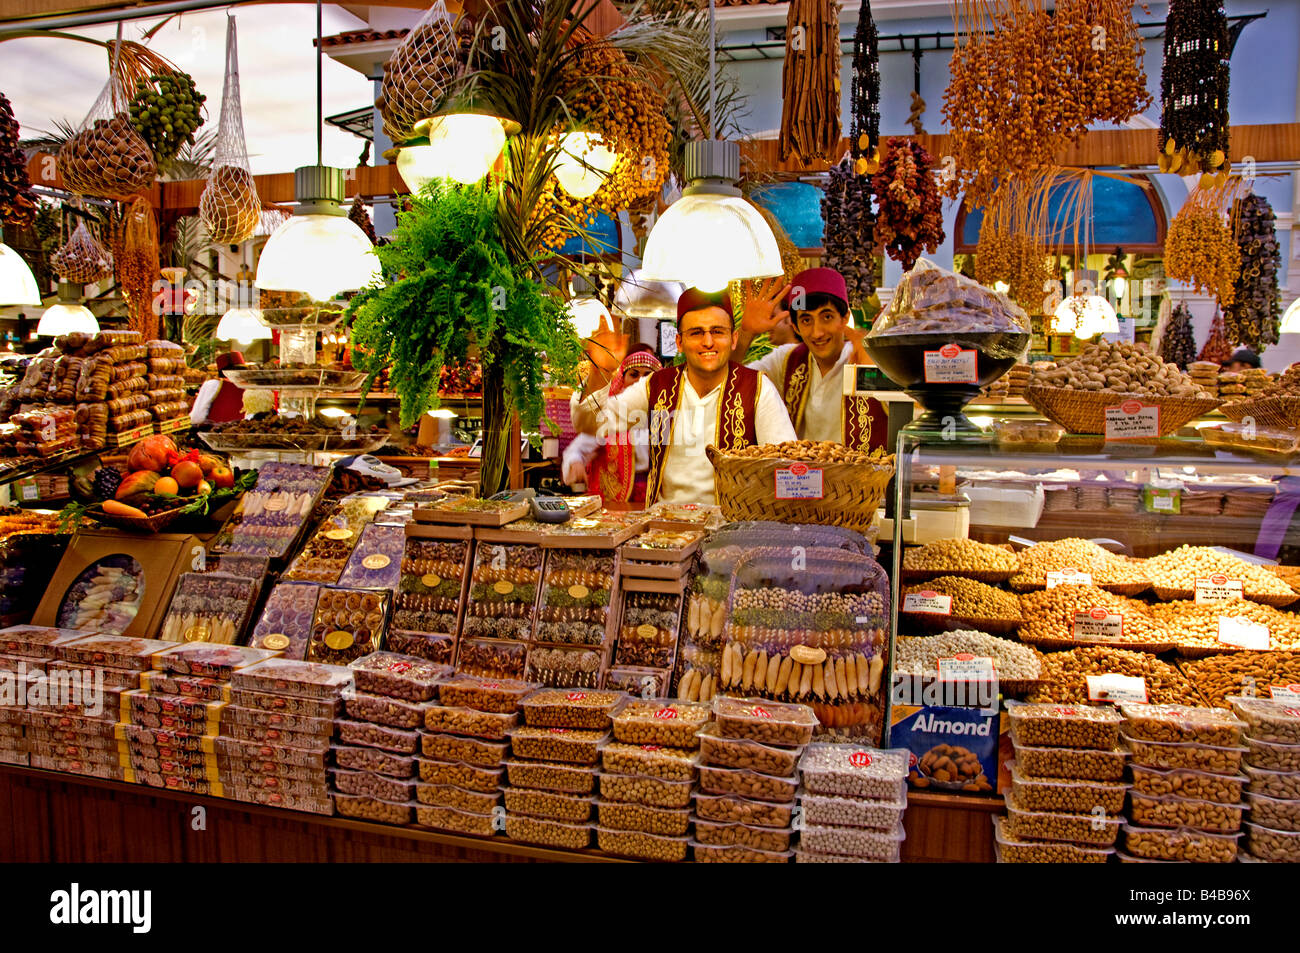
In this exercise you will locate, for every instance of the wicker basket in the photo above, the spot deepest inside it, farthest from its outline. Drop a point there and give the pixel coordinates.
(1022, 583)
(1084, 411)
(155, 523)
(1049, 643)
(1281, 413)
(852, 492)
(1276, 600)
(990, 576)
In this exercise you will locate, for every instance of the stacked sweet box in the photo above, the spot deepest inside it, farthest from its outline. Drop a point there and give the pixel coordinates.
(269, 518)
(498, 621)
(553, 758)
(348, 624)
(573, 633)
(647, 776)
(210, 607)
(745, 805)
(327, 552)
(1185, 803)
(84, 739)
(431, 591)
(1273, 772)
(1067, 795)
(389, 700)
(169, 726)
(464, 743)
(276, 733)
(853, 800)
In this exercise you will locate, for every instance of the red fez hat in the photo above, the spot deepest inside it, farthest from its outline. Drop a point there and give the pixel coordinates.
(693, 299)
(813, 281)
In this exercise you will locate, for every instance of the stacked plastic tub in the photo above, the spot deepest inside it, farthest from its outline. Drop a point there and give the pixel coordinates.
(390, 696)
(1067, 790)
(1186, 803)
(853, 800)
(464, 745)
(647, 775)
(1273, 778)
(552, 771)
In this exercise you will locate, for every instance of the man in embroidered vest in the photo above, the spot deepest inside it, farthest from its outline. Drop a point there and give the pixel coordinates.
(810, 372)
(684, 408)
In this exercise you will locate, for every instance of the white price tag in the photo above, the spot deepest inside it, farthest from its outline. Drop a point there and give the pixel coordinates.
(1132, 420)
(951, 364)
(1163, 503)
(1286, 693)
(799, 482)
(1218, 588)
(1242, 633)
(28, 489)
(1068, 577)
(1098, 625)
(1113, 687)
(929, 601)
(965, 667)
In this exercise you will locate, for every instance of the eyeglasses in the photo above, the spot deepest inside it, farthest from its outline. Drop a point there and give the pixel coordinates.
(698, 334)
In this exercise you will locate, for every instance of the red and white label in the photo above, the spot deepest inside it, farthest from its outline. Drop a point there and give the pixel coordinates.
(400, 668)
(1098, 625)
(1068, 577)
(651, 747)
(965, 667)
(860, 759)
(951, 364)
(490, 685)
(760, 712)
(1242, 633)
(1132, 420)
(798, 482)
(666, 714)
(1113, 687)
(576, 696)
(1065, 712)
(560, 731)
(1219, 588)
(928, 601)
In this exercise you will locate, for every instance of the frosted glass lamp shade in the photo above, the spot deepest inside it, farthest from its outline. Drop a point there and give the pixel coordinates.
(704, 240)
(17, 283)
(242, 324)
(66, 319)
(322, 255)
(1085, 316)
(583, 164)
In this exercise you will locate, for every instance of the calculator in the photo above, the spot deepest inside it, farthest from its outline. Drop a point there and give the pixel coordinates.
(550, 509)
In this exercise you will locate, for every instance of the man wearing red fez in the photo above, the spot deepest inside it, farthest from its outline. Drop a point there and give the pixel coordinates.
(684, 408)
(809, 372)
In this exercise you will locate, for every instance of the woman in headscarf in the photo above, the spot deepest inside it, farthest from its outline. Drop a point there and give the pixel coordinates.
(615, 467)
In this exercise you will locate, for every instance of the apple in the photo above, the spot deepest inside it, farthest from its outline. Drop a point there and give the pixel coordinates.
(210, 464)
(187, 474)
(222, 477)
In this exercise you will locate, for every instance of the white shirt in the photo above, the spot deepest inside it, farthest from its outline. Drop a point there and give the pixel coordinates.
(688, 476)
(825, 405)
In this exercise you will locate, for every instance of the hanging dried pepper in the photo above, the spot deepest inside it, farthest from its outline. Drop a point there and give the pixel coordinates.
(910, 211)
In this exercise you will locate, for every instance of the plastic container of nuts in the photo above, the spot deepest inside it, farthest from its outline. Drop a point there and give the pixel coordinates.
(721, 834)
(1217, 727)
(570, 708)
(769, 722)
(461, 822)
(372, 759)
(372, 809)
(460, 799)
(879, 846)
(745, 783)
(623, 816)
(1281, 784)
(1166, 754)
(737, 854)
(377, 736)
(459, 774)
(879, 775)
(1011, 849)
(1268, 719)
(383, 710)
(494, 726)
(1278, 813)
(535, 830)
(573, 808)
(740, 753)
(671, 764)
(499, 695)
(1064, 726)
(640, 845)
(373, 785)
(398, 676)
(1045, 825)
(569, 745)
(550, 776)
(1272, 756)
(1266, 843)
(728, 808)
(1170, 811)
(488, 754)
(1071, 797)
(639, 789)
(853, 812)
(1188, 782)
(661, 721)
(1072, 763)
(1180, 844)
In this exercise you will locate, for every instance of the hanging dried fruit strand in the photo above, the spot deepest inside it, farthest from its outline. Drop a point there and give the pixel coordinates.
(137, 267)
(864, 95)
(1200, 249)
(1194, 90)
(810, 81)
(1217, 346)
(850, 239)
(1178, 346)
(1252, 318)
(910, 216)
(17, 200)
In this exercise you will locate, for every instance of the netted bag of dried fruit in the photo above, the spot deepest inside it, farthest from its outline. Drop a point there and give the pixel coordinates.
(418, 73)
(107, 157)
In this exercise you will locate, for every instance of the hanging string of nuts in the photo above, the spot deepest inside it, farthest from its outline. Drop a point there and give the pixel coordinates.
(1194, 90)
(810, 81)
(138, 268)
(1178, 346)
(1217, 347)
(82, 259)
(864, 94)
(17, 201)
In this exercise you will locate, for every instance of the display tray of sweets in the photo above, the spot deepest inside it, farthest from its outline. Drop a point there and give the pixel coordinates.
(648, 629)
(429, 591)
(304, 378)
(321, 440)
(289, 677)
(285, 623)
(348, 624)
(576, 595)
(35, 641)
(502, 659)
(328, 549)
(474, 512)
(268, 518)
(112, 651)
(503, 592)
(376, 560)
(662, 546)
(209, 661)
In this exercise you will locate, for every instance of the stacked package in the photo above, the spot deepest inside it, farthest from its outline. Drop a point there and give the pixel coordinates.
(1205, 375)
(426, 609)
(210, 607)
(391, 694)
(276, 733)
(647, 776)
(746, 797)
(1240, 385)
(464, 746)
(1186, 799)
(853, 800)
(1273, 771)
(168, 402)
(43, 431)
(1012, 384)
(1067, 791)
(553, 758)
(169, 726)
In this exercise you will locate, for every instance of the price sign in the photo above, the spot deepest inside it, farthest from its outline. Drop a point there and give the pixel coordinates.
(965, 667)
(1113, 687)
(799, 482)
(1218, 588)
(928, 601)
(951, 364)
(1068, 577)
(1098, 625)
(1242, 633)
(1132, 420)
(1286, 693)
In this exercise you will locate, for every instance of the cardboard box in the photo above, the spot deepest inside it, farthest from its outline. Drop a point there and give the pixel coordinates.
(146, 566)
